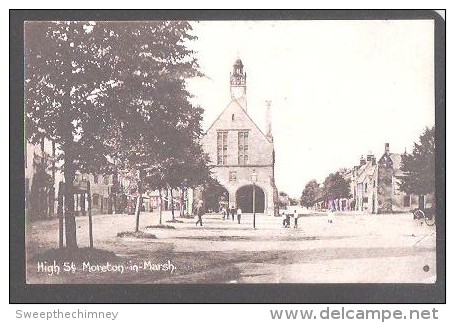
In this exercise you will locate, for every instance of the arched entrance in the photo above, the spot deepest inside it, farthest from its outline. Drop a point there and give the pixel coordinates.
(244, 198)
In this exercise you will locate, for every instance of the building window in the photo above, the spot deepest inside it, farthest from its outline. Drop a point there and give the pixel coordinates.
(366, 187)
(233, 117)
(407, 201)
(243, 147)
(374, 183)
(95, 179)
(95, 199)
(221, 145)
(106, 179)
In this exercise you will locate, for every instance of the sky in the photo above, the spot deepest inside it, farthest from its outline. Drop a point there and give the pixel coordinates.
(339, 89)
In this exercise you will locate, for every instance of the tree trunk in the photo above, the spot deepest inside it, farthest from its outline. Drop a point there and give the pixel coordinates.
(60, 213)
(70, 220)
(90, 223)
(172, 205)
(139, 199)
(138, 210)
(182, 202)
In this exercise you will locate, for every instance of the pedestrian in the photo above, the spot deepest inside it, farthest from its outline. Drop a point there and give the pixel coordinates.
(199, 212)
(296, 218)
(228, 212)
(239, 214)
(288, 220)
(233, 211)
(284, 219)
(330, 216)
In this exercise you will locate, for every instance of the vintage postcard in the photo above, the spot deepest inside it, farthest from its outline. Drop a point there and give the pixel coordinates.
(231, 151)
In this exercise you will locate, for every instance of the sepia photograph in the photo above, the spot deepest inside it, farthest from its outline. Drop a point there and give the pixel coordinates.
(221, 151)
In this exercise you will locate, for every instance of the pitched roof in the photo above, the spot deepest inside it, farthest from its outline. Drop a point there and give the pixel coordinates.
(396, 159)
(396, 163)
(241, 108)
(365, 171)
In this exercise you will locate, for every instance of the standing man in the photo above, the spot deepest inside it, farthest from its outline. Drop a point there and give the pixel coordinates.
(233, 211)
(239, 214)
(199, 212)
(228, 212)
(296, 218)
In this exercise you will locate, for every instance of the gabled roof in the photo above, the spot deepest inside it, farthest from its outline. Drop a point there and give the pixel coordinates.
(241, 108)
(396, 163)
(365, 171)
(396, 159)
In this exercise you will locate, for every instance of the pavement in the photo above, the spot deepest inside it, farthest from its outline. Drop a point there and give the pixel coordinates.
(355, 248)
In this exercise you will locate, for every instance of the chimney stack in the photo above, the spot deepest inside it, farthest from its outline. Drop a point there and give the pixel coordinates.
(386, 148)
(370, 157)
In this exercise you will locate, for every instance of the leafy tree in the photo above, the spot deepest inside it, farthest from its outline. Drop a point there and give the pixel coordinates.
(283, 200)
(335, 187)
(310, 193)
(111, 94)
(68, 73)
(212, 192)
(158, 126)
(419, 167)
(293, 201)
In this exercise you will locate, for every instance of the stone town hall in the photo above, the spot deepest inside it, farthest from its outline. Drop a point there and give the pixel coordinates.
(238, 149)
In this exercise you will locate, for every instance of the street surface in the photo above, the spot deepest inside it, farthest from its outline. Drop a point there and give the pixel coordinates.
(355, 248)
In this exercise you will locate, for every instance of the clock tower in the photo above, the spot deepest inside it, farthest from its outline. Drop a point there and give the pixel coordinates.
(238, 80)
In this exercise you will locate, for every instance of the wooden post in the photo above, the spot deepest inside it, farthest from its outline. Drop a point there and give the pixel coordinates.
(90, 225)
(160, 202)
(60, 213)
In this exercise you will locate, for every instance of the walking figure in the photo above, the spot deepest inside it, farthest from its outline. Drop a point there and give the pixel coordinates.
(239, 214)
(233, 212)
(200, 212)
(286, 220)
